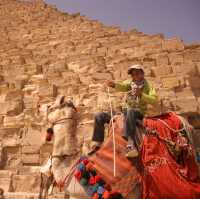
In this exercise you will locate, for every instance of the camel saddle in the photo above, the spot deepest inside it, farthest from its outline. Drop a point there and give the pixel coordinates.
(126, 176)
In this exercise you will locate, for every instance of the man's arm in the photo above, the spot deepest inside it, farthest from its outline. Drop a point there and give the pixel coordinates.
(150, 97)
(123, 86)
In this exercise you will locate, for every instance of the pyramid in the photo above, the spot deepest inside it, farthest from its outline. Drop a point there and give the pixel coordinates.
(45, 52)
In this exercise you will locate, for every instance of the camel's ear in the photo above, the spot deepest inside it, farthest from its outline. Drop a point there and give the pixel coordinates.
(60, 100)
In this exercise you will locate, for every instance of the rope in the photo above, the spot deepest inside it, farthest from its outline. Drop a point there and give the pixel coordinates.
(113, 134)
(174, 130)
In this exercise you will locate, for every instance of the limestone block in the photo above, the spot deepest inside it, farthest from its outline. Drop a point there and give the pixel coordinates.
(86, 79)
(185, 68)
(5, 184)
(12, 157)
(176, 58)
(20, 183)
(14, 95)
(14, 121)
(36, 79)
(46, 90)
(172, 44)
(184, 93)
(170, 82)
(102, 76)
(9, 133)
(71, 77)
(186, 105)
(12, 108)
(31, 159)
(33, 137)
(20, 195)
(152, 48)
(32, 69)
(33, 149)
(193, 55)
(162, 70)
(5, 174)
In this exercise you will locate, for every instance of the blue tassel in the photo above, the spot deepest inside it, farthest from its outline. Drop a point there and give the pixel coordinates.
(81, 167)
(100, 190)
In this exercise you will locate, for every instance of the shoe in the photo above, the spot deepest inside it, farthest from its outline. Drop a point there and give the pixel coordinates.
(132, 153)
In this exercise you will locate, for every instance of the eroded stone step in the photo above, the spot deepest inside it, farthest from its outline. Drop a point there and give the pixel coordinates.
(20, 195)
(25, 195)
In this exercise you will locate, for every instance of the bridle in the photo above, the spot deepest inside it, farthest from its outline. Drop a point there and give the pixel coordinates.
(62, 120)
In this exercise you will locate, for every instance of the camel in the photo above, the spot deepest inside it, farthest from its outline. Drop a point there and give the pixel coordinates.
(62, 117)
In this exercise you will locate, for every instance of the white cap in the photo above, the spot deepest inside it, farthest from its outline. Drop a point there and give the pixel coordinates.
(134, 67)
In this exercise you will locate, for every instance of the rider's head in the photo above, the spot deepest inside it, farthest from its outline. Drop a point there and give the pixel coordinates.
(136, 72)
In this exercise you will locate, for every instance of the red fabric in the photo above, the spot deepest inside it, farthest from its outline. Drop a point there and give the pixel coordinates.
(163, 177)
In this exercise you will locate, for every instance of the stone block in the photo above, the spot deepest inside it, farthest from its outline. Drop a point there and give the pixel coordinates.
(184, 93)
(161, 71)
(12, 157)
(161, 59)
(31, 159)
(14, 121)
(14, 95)
(174, 44)
(20, 195)
(5, 184)
(193, 55)
(34, 149)
(187, 105)
(102, 76)
(20, 183)
(186, 68)
(170, 82)
(176, 58)
(46, 90)
(11, 108)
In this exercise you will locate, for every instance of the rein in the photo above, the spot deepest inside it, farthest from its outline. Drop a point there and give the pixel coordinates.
(61, 121)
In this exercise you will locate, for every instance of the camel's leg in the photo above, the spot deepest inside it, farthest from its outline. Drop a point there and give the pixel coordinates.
(41, 186)
(136, 193)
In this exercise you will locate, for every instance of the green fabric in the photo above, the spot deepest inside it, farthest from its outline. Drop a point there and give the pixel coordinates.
(148, 95)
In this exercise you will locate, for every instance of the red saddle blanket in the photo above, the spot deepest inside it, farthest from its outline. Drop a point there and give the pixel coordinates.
(162, 177)
(127, 175)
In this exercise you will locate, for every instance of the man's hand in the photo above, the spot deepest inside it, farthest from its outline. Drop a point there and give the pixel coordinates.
(138, 92)
(110, 83)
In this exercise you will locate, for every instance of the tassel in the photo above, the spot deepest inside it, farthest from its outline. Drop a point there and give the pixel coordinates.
(81, 167)
(78, 175)
(95, 196)
(92, 180)
(83, 181)
(106, 194)
(100, 190)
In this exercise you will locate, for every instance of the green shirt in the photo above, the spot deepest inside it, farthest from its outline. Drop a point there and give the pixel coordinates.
(148, 95)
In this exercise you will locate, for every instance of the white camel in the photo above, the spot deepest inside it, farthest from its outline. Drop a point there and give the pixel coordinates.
(63, 119)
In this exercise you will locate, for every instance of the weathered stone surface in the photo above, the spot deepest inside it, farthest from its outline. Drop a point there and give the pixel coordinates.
(172, 44)
(45, 53)
(20, 183)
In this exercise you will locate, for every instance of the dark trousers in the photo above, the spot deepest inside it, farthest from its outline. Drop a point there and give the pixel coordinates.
(131, 116)
(100, 120)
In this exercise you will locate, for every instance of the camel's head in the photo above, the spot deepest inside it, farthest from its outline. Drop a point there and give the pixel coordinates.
(58, 113)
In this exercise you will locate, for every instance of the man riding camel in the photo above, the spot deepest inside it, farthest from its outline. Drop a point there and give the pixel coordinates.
(139, 95)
